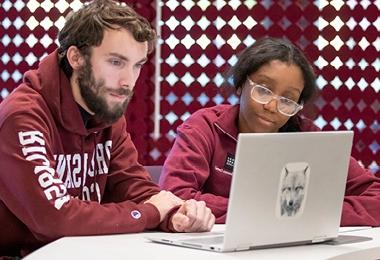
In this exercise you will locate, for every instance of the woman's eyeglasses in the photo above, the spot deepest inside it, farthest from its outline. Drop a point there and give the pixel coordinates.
(263, 95)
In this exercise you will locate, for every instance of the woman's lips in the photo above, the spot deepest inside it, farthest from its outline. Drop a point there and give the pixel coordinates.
(265, 120)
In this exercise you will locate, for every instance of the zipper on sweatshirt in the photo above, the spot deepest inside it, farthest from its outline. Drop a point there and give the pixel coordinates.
(226, 133)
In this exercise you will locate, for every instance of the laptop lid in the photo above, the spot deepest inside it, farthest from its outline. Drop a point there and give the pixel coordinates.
(287, 188)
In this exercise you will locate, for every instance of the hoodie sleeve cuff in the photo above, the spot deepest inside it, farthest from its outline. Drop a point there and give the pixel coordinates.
(167, 224)
(152, 215)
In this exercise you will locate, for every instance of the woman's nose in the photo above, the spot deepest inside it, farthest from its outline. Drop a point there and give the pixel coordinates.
(271, 105)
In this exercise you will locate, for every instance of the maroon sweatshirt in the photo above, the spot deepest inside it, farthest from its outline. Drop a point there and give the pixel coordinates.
(59, 178)
(198, 167)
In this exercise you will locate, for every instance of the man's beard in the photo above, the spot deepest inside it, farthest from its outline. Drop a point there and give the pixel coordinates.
(94, 91)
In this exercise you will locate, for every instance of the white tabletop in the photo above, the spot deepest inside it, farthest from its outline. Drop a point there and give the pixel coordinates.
(136, 246)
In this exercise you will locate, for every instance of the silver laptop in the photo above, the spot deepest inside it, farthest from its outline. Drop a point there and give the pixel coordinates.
(287, 189)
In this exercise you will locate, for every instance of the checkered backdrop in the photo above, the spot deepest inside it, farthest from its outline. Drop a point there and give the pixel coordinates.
(199, 40)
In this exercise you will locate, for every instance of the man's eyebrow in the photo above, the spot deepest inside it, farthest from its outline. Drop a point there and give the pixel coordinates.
(122, 57)
(118, 56)
(143, 60)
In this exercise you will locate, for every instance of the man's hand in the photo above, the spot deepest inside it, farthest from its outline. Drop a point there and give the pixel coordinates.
(193, 216)
(164, 201)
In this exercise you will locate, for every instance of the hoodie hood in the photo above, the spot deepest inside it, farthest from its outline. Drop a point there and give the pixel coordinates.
(52, 83)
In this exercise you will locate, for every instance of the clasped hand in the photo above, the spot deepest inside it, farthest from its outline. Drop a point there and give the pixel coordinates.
(192, 215)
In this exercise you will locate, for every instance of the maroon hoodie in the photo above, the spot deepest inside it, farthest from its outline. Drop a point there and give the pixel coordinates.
(199, 167)
(59, 178)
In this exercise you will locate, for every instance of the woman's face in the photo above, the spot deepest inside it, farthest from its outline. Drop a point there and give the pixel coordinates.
(282, 79)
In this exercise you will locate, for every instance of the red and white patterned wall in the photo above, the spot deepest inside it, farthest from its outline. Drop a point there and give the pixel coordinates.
(200, 39)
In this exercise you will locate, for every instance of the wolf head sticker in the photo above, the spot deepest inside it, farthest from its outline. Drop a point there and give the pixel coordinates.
(293, 189)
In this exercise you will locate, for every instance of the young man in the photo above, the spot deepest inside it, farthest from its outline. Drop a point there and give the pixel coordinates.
(68, 166)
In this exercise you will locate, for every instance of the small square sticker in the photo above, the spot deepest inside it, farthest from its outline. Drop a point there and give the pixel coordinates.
(230, 162)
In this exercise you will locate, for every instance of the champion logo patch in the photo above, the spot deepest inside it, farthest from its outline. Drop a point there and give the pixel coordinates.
(135, 214)
(230, 162)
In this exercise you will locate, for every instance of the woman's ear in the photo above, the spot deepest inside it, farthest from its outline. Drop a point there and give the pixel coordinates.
(74, 57)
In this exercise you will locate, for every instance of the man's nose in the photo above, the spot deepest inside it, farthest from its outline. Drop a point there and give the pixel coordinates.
(128, 79)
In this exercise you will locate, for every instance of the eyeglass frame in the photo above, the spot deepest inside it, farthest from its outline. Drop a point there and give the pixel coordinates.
(298, 107)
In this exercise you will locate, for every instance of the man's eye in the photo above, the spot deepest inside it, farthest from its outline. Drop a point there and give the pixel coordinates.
(139, 65)
(115, 62)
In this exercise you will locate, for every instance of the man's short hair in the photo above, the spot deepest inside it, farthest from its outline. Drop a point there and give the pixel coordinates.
(85, 28)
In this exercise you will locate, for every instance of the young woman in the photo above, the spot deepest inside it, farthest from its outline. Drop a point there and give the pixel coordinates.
(273, 80)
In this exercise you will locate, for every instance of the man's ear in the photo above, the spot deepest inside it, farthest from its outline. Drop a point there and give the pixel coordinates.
(74, 57)
(238, 91)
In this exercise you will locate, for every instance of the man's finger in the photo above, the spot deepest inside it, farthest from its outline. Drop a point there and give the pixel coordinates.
(180, 222)
(211, 222)
(190, 210)
(201, 217)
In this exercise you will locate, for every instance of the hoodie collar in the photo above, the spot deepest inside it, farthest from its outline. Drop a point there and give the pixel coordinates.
(227, 122)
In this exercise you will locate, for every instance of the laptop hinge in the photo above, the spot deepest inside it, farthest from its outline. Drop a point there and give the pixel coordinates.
(242, 247)
(318, 239)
